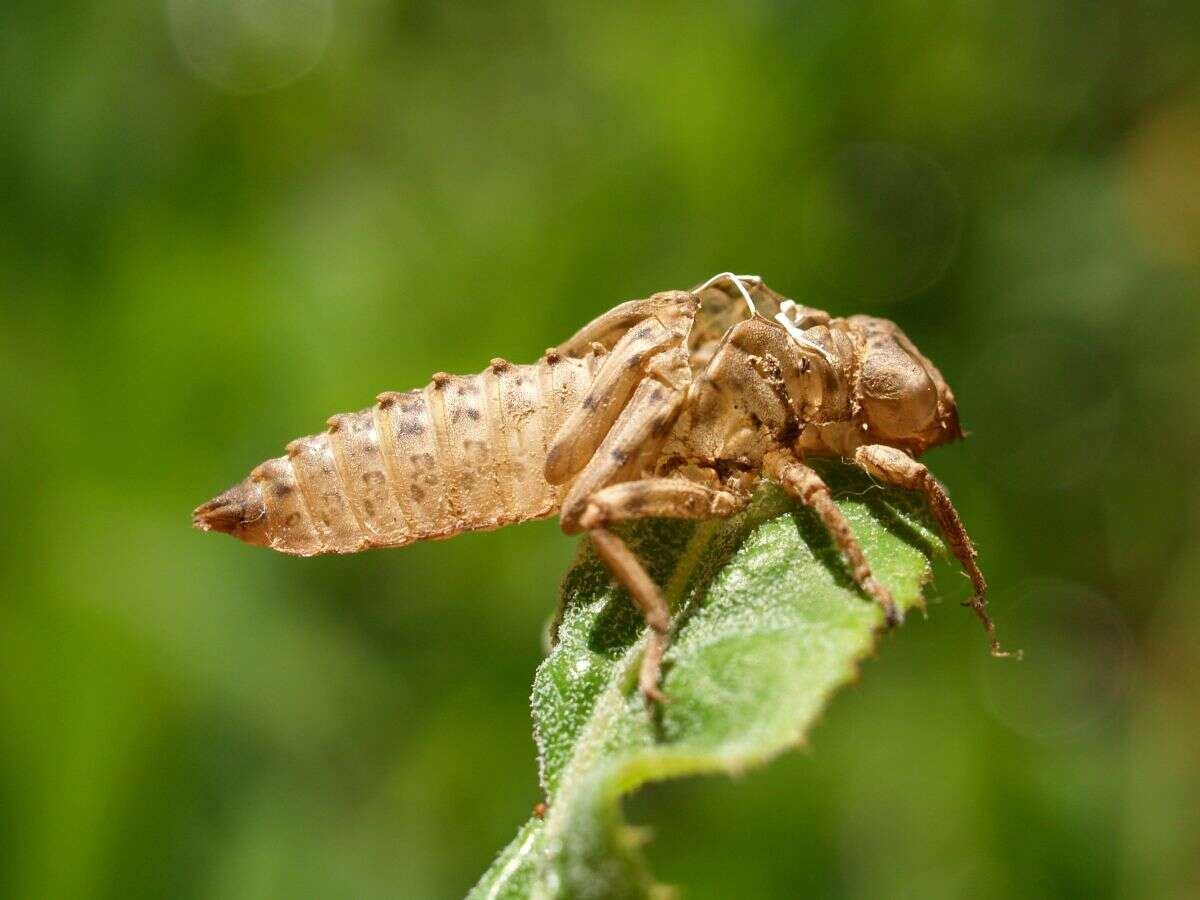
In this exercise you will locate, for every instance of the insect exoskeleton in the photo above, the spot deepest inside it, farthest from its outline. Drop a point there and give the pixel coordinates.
(671, 406)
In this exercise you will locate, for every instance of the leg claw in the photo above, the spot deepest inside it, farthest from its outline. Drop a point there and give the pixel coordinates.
(653, 695)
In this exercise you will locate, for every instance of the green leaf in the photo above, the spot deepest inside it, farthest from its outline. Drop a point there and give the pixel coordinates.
(769, 624)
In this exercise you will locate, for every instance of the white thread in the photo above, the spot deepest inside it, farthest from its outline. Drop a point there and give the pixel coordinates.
(781, 317)
(737, 282)
(796, 334)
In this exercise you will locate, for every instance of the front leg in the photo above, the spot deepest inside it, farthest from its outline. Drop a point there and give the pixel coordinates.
(895, 467)
(806, 486)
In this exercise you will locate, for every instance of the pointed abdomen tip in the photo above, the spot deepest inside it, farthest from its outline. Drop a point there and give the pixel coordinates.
(223, 513)
(237, 511)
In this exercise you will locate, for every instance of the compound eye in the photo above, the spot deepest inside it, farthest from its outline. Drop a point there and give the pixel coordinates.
(899, 396)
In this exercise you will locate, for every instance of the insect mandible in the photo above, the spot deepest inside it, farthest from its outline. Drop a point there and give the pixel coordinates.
(672, 406)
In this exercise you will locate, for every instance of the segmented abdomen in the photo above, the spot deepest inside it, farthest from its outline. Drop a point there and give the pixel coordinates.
(465, 453)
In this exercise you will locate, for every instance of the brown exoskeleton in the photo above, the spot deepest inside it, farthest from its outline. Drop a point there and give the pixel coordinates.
(672, 406)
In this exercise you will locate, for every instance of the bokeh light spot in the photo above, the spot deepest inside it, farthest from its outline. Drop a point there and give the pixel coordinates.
(250, 46)
(1078, 665)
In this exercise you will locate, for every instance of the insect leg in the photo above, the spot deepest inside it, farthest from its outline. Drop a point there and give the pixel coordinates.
(806, 486)
(625, 567)
(896, 467)
(645, 421)
(670, 498)
(657, 498)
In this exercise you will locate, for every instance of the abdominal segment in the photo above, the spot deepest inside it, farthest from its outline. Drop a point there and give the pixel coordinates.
(464, 453)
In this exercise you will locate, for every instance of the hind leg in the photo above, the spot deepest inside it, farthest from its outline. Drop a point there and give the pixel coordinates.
(650, 498)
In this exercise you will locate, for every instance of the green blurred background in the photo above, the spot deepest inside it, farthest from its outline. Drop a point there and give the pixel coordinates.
(224, 220)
